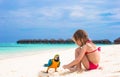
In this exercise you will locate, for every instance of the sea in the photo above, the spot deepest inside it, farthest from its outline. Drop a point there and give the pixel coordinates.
(8, 50)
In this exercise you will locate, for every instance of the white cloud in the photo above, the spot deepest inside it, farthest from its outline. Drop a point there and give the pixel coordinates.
(50, 12)
(20, 13)
(93, 1)
(116, 13)
(85, 13)
(76, 14)
(115, 27)
(75, 11)
(113, 17)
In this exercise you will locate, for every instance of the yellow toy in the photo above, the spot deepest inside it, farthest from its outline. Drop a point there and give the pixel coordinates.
(53, 63)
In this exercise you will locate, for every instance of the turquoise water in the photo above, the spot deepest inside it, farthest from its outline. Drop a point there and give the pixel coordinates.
(8, 48)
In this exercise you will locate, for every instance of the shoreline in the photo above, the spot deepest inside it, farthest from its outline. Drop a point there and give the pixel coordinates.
(15, 50)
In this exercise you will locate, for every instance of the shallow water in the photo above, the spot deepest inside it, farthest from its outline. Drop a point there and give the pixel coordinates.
(14, 49)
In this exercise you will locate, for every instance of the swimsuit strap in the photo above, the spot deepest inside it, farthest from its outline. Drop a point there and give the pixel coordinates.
(99, 49)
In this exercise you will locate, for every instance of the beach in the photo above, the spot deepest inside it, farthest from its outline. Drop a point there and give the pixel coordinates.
(31, 65)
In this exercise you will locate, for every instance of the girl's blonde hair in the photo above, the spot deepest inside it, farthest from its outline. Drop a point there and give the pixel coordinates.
(81, 35)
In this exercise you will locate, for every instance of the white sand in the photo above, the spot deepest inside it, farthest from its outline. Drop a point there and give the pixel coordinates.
(31, 65)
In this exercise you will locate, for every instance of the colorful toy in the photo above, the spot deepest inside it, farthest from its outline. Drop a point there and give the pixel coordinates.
(53, 63)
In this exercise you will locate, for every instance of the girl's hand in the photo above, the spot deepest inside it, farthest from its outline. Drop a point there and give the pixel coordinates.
(65, 67)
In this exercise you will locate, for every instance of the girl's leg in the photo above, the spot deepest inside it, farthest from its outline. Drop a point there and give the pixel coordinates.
(78, 66)
(77, 52)
(85, 62)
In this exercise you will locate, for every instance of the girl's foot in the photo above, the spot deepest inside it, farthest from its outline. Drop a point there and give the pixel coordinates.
(79, 70)
(72, 69)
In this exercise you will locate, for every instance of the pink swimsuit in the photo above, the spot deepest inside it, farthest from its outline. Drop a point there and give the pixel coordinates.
(92, 65)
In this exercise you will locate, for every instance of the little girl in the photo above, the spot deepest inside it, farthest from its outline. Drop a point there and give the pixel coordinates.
(87, 53)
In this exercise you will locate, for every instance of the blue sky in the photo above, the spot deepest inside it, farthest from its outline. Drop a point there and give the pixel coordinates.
(48, 19)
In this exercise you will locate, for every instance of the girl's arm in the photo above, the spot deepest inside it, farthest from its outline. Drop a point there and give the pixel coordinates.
(78, 59)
